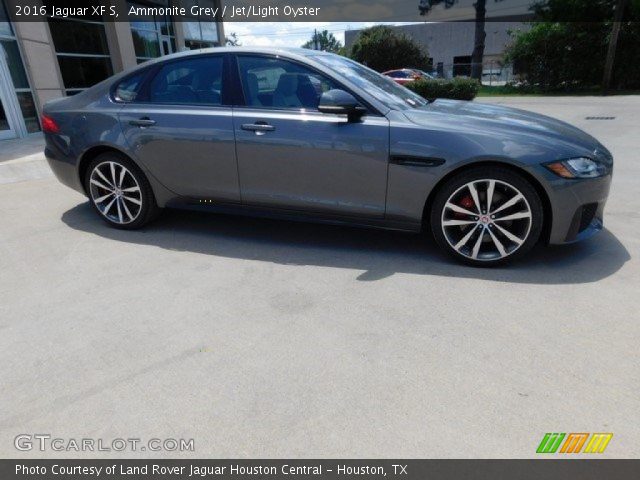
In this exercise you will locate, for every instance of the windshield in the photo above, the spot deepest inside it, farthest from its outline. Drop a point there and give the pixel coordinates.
(383, 88)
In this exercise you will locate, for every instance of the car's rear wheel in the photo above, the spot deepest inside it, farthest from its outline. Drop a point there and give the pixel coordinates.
(120, 192)
(487, 216)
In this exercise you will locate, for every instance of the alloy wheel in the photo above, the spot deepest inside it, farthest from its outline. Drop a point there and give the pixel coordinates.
(115, 192)
(486, 220)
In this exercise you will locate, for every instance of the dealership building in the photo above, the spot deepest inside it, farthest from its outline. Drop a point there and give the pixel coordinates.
(448, 35)
(41, 60)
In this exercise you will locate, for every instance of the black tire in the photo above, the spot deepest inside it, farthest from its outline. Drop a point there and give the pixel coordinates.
(490, 229)
(148, 209)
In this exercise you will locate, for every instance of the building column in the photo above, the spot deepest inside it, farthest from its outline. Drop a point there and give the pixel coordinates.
(222, 41)
(120, 41)
(178, 31)
(39, 57)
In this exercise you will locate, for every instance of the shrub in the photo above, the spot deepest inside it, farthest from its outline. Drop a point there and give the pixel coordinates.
(566, 48)
(457, 89)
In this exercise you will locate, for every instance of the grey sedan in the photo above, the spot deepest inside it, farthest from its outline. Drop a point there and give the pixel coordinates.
(301, 134)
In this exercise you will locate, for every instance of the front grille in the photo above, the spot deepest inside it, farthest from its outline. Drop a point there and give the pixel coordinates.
(588, 212)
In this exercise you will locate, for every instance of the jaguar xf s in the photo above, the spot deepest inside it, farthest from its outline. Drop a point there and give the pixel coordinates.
(307, 135)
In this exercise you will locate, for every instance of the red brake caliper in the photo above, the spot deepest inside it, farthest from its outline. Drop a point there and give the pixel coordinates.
(467, 203)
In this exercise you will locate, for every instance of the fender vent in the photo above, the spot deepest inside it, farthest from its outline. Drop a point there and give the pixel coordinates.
(412, 161)
(600, 118)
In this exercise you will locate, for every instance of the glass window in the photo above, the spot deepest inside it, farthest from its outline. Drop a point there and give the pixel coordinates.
(127, 90)
(209, 31)
(153, 35)
(200, 31)
(5, 25)
(83, 72)
(12, 55)
(383, 88)
(276, 83)
(4, 121)
(72, 36)
(82, 50)
(191, 81)
(146, 44)
(28, 109)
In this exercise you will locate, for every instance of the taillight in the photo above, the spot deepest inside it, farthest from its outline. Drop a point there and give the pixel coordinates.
(49, 125)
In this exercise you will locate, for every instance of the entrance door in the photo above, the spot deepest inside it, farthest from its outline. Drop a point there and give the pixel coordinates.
(7, 101)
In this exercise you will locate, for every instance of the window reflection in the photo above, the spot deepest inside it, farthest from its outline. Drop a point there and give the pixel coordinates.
(153, 35)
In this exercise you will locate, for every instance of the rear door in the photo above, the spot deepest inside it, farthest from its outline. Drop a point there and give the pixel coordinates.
(180, 127)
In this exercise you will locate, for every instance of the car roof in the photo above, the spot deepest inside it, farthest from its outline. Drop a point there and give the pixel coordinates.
(270, 50)
(286, 51)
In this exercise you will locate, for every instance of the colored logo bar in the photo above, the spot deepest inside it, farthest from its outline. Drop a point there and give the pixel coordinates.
(573, 442)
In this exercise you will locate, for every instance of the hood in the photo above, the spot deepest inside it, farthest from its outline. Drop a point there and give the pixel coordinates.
(497, 120)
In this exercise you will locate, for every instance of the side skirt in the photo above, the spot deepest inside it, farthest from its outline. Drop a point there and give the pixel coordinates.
(213, 206)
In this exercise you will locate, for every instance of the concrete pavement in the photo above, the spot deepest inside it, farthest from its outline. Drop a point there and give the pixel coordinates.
(261, 338)
(22, 159)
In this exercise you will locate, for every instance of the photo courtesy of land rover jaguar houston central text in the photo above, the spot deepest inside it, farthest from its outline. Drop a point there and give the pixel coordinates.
(303, 134)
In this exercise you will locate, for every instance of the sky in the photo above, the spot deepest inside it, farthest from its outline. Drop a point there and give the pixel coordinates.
(290, 34)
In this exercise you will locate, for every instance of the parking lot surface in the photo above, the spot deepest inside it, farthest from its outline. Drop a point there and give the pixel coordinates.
(262, 338)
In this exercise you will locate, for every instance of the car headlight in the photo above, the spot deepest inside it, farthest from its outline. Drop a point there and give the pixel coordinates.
(581, 167)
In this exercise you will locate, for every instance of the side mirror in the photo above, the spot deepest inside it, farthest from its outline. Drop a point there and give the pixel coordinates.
(339, 102)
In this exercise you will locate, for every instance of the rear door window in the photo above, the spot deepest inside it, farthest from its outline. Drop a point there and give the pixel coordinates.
(127, 90)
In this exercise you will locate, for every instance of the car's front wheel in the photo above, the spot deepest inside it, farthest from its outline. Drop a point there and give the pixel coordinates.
(487, 216)
(120, 192)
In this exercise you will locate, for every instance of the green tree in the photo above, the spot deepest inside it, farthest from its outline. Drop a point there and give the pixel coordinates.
(381, 48)
(324, 41)
(567, 48)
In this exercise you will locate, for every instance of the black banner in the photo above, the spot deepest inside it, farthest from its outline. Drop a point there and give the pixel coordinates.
(543, 469)
(304, 10)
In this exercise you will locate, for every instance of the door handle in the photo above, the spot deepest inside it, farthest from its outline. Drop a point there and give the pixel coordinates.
(258, 127)
(142, 122)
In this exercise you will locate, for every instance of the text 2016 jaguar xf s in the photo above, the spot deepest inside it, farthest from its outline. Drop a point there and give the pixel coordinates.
(303, 134)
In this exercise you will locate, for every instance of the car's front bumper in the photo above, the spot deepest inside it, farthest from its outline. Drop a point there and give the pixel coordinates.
(577, 206)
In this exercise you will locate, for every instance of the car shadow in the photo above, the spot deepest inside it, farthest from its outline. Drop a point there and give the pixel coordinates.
(378, 253)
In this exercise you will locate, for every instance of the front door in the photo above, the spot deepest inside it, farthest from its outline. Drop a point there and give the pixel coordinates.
(292, 156)
(8, 102)
(182, 132)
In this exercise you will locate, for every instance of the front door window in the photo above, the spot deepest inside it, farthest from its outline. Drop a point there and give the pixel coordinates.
(275, 83)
